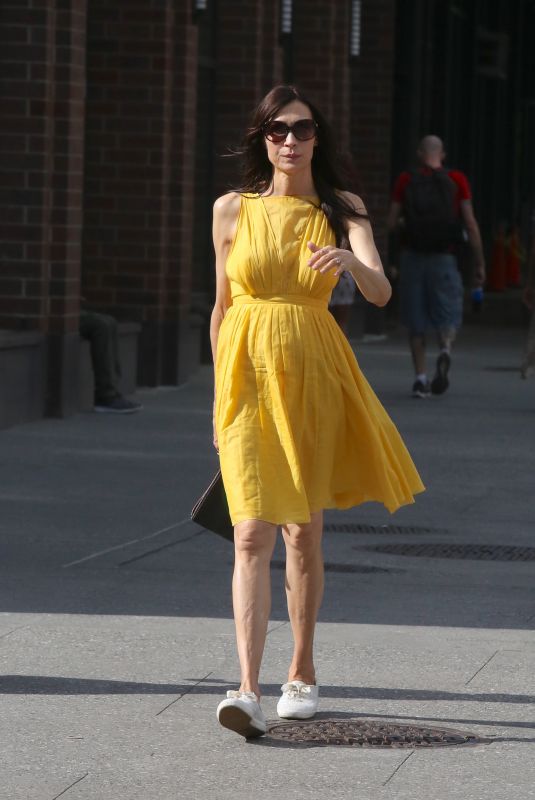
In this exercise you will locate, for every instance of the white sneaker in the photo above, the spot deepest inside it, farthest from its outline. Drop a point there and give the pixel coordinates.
(299, 700)
(241, 713)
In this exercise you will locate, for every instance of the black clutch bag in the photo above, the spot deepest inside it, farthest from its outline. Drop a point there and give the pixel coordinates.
(211, 509)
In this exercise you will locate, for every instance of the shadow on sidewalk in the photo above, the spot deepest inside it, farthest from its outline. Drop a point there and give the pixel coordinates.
(60, 685)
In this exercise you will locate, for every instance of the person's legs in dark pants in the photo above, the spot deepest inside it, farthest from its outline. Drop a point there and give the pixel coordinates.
(414, 315)
(446, 338)
(445, 293)
(417, 345)
(101, 332)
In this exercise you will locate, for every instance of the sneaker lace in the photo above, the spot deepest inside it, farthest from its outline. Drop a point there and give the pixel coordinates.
(296, 689)
(235, 694)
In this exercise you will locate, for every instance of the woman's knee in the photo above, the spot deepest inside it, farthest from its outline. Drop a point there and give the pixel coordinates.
(254, 538)
(303, 540)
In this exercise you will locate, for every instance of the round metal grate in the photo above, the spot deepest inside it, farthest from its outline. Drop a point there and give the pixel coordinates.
(476, 552)
(359, 527)
(349, 732)
(329, 566)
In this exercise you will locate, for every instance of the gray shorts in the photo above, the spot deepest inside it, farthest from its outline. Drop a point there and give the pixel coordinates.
(344, 292)
(431, 292)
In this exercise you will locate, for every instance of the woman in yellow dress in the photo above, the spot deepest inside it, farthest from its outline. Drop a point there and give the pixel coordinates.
(296, 424)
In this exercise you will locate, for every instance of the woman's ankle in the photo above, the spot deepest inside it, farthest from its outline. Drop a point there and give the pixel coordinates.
(305, 674)
(247, 686)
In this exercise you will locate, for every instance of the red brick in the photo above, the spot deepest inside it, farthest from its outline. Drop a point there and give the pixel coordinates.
(11, 306)
(10, 286)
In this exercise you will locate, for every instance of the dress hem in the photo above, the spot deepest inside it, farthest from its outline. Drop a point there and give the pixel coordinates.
(275, 519)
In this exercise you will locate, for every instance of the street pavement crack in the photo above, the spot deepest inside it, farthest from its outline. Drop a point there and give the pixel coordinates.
(399, 767)
(127, 544)
(482, 667)
(158, 549)
(13, 630)
(276, 628)
(70, 787)
(183, 694)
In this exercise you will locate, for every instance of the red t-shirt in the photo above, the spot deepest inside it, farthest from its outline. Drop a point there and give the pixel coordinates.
(459, 178)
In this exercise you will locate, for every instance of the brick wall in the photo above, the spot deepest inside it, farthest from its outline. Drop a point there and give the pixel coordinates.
(42, 66)
(271, 60)
(249, 63)
(25, 138)
(320, 45)
(178, 206)
(139, 137)
(371, 111)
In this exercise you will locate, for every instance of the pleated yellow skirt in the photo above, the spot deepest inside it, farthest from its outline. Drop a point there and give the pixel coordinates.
(299, 427)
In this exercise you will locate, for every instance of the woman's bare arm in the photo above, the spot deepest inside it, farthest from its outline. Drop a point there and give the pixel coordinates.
(363, 262)
(368, 270)
(226, 210)
(474, 237)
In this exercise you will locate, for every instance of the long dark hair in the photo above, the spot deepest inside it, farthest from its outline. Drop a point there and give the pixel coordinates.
(331, 171)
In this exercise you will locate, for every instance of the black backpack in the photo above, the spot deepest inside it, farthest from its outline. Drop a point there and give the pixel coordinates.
(432, 224)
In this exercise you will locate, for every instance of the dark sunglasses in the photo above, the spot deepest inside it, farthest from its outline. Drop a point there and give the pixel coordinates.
(303, 129)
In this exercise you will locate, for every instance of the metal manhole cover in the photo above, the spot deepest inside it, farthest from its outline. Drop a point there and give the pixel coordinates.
(356, 527)
(366, 733)
(328, 566)
(479, 552)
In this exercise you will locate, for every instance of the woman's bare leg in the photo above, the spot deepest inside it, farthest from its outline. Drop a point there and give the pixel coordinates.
(254, 541)
(304, 592)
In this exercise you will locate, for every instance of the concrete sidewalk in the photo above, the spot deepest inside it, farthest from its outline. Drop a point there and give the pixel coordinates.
(116, 630)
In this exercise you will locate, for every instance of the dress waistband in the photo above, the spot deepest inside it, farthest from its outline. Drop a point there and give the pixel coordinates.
(287, 299)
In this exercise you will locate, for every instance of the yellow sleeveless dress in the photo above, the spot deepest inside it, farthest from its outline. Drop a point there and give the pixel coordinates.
(299, 428)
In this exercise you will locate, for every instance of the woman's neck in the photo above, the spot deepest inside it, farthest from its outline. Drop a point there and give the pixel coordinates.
(283, 184)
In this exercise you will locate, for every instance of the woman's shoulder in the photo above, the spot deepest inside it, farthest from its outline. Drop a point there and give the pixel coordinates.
(226, 212)
(227, 204)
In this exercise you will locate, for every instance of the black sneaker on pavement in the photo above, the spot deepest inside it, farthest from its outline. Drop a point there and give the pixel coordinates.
(421, 389)
(440, 382)
(117, 405)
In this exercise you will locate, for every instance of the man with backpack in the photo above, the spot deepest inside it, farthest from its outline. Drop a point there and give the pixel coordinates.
(430, 207)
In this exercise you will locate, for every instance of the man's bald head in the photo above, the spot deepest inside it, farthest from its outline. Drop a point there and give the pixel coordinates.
(431, 151)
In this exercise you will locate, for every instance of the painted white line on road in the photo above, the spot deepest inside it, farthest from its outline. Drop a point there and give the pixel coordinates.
(127, 544)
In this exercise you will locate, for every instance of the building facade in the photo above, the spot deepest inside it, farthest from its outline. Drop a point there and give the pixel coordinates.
(119, 121)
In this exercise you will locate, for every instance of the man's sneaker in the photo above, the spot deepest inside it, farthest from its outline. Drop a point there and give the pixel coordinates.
(440, 382)
(241, 713)
(117, 405)
(526, 371)
(299, 700)
(421, 389)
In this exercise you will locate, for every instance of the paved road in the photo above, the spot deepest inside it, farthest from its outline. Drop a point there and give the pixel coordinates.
(116, 633)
